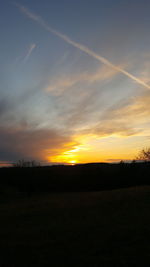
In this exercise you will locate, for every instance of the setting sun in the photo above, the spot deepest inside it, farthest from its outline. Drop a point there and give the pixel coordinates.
(72, 162)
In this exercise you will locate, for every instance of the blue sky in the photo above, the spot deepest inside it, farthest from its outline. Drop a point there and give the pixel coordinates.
(58, 102)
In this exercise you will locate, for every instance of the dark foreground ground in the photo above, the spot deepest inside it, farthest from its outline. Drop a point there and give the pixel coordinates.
(107, 228)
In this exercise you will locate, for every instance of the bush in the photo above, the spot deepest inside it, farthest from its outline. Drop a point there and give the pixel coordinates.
(23, 163)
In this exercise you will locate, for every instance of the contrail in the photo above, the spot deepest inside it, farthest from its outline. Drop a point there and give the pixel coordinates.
(31, 48)
(83, 48)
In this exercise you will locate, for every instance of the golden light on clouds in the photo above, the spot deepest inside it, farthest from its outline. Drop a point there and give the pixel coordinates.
(71, 154)
(112, 148)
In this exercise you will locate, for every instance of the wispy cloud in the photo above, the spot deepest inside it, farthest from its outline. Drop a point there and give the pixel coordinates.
(127, 118)
(83, 48)
(29, 52)
(61, 84)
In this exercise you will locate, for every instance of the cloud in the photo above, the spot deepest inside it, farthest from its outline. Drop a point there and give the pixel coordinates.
(25, 142)
(38, 144)
(61, 84)
(4, 106)
(134, 110)
(81, 47)
(29, 52)
(128, 117)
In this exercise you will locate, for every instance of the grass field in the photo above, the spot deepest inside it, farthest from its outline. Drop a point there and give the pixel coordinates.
(109, 228)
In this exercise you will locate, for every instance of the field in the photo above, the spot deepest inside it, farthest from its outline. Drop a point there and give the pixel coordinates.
(107, 228)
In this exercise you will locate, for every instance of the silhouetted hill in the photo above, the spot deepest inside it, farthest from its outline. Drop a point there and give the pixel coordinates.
(85, 177)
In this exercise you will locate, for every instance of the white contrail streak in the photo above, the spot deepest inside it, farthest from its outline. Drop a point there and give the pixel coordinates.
(31, 48)
(83, 48)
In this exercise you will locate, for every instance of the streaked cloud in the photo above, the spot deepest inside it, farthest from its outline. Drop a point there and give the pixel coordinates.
(81, 47)
(61, 84)
(124, 119)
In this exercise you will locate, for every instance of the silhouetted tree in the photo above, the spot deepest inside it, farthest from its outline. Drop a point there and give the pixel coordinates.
(122, 162)
(144, 155)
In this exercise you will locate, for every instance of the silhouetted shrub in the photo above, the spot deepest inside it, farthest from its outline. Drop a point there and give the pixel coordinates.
(23, 163)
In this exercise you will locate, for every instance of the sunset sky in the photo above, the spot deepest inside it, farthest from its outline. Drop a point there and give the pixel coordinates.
(74, 80)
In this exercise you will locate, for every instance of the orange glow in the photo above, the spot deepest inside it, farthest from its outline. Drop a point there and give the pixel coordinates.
(92, 148)
(5, 164)
(71, 154)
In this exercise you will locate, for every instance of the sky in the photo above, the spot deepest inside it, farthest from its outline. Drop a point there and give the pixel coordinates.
(74, 80)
